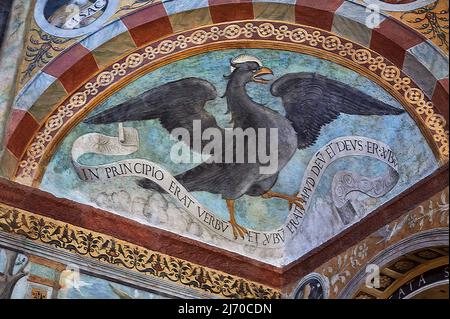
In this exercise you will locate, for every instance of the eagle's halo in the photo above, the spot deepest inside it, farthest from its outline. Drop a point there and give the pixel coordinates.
(242, 59)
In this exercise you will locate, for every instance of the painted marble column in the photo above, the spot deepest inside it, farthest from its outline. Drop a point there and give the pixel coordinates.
(10, 55)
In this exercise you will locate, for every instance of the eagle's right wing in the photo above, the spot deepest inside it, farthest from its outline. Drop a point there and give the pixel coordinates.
(175, 104)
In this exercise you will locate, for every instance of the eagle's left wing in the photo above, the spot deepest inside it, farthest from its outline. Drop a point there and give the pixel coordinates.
(312, 101)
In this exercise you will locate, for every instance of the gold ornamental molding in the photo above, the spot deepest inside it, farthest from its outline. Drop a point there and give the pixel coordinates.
(254, 34)
(122, 254)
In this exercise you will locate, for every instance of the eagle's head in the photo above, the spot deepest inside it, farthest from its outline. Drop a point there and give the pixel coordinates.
(246, 68)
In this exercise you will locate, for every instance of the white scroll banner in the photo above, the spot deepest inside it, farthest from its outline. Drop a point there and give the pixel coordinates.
(128, 142)
(345, 184)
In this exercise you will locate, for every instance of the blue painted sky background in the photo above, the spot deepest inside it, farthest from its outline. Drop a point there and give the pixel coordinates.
(400, 132)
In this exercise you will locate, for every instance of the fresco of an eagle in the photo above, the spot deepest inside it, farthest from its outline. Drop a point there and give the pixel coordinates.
(311, 102)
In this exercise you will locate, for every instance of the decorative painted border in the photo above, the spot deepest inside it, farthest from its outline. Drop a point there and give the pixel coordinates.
(344, 18)
(405, 48)
(96, 25)
(262, 34)
(122, 254)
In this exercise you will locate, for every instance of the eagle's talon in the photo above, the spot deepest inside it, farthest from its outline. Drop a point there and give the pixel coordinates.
(292, 200)
(238, 231)
(297, 201)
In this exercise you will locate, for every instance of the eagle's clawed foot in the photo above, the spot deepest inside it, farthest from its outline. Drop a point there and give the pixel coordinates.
(297, 201)
(238, 230)
(292, 199)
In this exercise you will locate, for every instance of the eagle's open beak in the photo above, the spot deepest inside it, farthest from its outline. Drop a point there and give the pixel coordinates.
(257, 77)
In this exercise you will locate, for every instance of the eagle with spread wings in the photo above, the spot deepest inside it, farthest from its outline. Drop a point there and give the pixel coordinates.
(311, 101)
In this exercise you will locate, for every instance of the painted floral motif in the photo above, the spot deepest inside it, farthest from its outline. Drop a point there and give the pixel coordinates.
(41, 49)
(418, 218)
(430, 22)
(121, 254)
(352, 259)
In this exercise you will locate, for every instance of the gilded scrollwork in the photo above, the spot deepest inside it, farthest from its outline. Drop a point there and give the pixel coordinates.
(122, 254)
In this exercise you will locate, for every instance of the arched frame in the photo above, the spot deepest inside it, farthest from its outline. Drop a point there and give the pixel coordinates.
(237, 34)
(436, 237)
